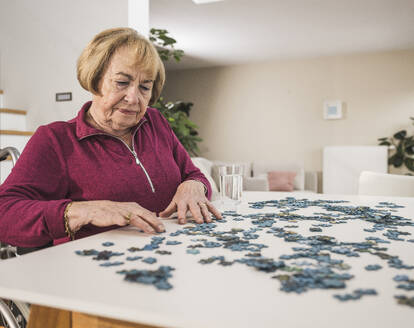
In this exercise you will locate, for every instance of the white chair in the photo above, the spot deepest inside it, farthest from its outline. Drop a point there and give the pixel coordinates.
(383, 184)
(342, 166)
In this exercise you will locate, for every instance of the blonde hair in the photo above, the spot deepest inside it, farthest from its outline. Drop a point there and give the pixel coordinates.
(95, 58)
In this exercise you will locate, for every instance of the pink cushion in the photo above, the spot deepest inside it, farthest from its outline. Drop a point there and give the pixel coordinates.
(281, 180)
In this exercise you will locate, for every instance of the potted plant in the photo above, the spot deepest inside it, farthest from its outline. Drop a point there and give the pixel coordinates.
(177, 113)
(402, 145)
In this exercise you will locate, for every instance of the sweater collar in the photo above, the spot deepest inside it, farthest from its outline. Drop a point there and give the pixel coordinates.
(83, 129)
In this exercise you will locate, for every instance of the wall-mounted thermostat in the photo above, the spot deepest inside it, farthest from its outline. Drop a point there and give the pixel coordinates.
(64, 96)
(332, 110)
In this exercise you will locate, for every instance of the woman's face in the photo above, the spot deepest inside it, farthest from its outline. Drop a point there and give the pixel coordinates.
(125, 94)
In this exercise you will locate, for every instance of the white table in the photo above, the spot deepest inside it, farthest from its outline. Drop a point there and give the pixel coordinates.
(212, 295)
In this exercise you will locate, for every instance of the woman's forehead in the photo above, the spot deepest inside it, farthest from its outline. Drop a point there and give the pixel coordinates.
(126, 61)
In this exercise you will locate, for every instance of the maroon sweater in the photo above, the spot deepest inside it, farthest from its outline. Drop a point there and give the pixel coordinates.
(72, 161)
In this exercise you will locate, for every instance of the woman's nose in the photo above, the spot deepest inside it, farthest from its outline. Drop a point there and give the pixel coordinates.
(132, 96)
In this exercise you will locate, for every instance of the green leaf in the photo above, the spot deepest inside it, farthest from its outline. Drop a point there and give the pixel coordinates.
(396, 160)
(409, 163)
(166, 41)
(400, 135)
(409, 150)
(385, 143)
(400, 148)
(183, 127)
(165, 45)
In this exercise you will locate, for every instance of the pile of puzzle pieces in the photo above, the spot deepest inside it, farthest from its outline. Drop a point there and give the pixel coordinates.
(313, 263)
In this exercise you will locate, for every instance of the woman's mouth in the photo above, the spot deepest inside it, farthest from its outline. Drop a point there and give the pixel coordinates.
(128, 112)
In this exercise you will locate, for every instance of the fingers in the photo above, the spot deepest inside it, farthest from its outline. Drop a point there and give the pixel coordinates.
(201, 211)
(205, 211)
(143, 219)
(196, 213)
(141, 224)
(171, 208)
(182, 212)
(150, 219)
(214, 211)
(128, 219)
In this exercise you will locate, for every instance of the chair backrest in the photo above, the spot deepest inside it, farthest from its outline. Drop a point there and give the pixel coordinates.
(384, 184)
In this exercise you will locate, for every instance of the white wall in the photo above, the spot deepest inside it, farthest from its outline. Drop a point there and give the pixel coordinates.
(138, 16)
(272, 111)
(40, 42)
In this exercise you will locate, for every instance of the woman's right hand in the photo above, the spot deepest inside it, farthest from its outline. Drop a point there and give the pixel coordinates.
(103, 213)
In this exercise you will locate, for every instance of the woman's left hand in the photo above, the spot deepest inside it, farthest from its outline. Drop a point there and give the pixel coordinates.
(190, 196)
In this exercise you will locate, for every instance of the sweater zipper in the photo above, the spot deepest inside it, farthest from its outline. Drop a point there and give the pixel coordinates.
(137, 161)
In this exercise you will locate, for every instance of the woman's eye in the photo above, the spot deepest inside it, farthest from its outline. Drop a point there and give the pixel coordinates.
(122, 83)
(143, 87)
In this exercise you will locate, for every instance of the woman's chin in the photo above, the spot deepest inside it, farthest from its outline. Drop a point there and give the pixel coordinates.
(129, 117)
(124, 124)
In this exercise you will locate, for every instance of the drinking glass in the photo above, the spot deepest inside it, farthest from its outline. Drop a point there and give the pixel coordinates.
(231, 184)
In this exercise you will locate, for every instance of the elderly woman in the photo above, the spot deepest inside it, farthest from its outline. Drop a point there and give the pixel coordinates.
(116, 163)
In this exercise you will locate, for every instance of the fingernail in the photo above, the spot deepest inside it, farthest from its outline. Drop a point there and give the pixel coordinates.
(161, 227)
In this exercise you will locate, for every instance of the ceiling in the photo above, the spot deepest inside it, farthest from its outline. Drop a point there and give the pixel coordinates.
(235, 32)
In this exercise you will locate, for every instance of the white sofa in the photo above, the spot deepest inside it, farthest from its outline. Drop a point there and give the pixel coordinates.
(305, 181)
(255, 175)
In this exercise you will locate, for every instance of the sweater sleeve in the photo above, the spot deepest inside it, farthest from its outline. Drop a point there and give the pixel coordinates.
(32, 199)
(188, 170)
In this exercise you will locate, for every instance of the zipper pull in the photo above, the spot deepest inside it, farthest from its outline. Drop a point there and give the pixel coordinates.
(136, 158)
